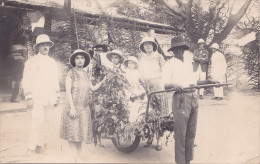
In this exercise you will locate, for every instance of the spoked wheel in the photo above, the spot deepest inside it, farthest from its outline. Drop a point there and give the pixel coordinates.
(126, 140)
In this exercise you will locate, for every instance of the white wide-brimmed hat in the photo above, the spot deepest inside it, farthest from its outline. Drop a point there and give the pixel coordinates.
(131, 58)
(148, 39)
(200, 41)
(115, 52)
(79, 52)
(43, 38)
(214, 45)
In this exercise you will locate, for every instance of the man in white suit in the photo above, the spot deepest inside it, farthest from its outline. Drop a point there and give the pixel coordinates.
(218, 70)
(41, 87)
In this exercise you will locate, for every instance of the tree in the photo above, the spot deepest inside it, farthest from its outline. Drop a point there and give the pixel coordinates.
(212, 20)
(215, 24)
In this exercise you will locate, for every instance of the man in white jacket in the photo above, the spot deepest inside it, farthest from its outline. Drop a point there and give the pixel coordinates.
(41, 87)
(218, 70)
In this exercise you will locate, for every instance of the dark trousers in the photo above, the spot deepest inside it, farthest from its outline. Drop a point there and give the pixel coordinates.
(185, 110)
(16, 89)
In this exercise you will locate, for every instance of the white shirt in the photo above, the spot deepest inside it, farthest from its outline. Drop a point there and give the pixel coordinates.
(40, 79)
(179, 72)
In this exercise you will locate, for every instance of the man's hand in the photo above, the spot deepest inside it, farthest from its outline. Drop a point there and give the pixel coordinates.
(204, 61)
(176, 87)
(29, 103)
(57, 102)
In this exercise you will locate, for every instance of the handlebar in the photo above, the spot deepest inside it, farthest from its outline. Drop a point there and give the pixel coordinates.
(184, 90)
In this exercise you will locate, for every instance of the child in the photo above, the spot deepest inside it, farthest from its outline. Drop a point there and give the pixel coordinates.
(117, 59)
(136, 89)
(132, 75)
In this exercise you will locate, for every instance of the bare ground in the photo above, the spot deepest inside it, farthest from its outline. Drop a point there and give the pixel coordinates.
(228, 132)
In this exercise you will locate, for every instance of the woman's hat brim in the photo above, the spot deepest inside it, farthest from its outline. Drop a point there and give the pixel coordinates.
(109, 54)
(73, 56)
(127, 60)
(141, 47)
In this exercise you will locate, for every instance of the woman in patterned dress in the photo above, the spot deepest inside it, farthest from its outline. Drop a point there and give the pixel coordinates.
(150, 67)
(76, 117)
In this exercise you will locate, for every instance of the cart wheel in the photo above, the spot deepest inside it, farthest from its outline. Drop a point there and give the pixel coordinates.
(127, 139)
(127, 148)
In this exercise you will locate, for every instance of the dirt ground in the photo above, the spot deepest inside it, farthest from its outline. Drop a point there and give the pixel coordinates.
(228, 132)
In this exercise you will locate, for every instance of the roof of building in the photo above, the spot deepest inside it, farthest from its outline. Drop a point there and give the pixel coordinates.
(93, 9)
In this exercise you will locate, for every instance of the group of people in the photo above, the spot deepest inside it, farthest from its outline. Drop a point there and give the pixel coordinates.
(213, 68)
(147, 73)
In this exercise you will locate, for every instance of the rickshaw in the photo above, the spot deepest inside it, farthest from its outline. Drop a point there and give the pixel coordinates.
(112, 123)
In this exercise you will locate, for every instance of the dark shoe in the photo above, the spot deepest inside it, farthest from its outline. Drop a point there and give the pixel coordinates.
(133, 98)
(39, 150)
(16, 101)
(142, 96)
(214, 98)
(219, 98)
(30, 152)
(201, 97)
(158, 148)
(148, 144)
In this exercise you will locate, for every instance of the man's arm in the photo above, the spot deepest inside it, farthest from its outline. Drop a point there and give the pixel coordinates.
(27, 79)
(196, 56)
(206, 59)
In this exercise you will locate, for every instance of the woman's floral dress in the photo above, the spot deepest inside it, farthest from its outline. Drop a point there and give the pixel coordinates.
(78, 129)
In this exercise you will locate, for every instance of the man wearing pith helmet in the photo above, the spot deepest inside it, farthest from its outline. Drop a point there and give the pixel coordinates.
(218, 70)
(200, 64)
(177, 74)
(41, 87)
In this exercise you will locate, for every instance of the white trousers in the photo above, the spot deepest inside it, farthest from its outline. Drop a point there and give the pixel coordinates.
(37, 122)
(218, 92)
(200, 76)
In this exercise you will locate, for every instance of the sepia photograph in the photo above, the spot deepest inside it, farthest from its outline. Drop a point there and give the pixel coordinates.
(130, 81)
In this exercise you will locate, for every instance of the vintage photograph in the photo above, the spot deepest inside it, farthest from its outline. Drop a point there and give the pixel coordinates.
(130, 81)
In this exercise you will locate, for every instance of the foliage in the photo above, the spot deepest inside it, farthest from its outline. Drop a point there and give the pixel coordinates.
(211, 20)
(252, 61)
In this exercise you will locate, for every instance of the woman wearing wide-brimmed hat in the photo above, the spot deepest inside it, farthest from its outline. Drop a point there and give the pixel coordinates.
(150, 67)
(76, 118)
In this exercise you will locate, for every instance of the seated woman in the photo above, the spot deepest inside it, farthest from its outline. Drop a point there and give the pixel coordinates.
(151, 64)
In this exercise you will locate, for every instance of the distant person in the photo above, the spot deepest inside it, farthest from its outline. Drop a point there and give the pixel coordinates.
(76, 126)
(41, 88)
(18, 57)
(96, 71)
(200, 64)
(218, 70)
